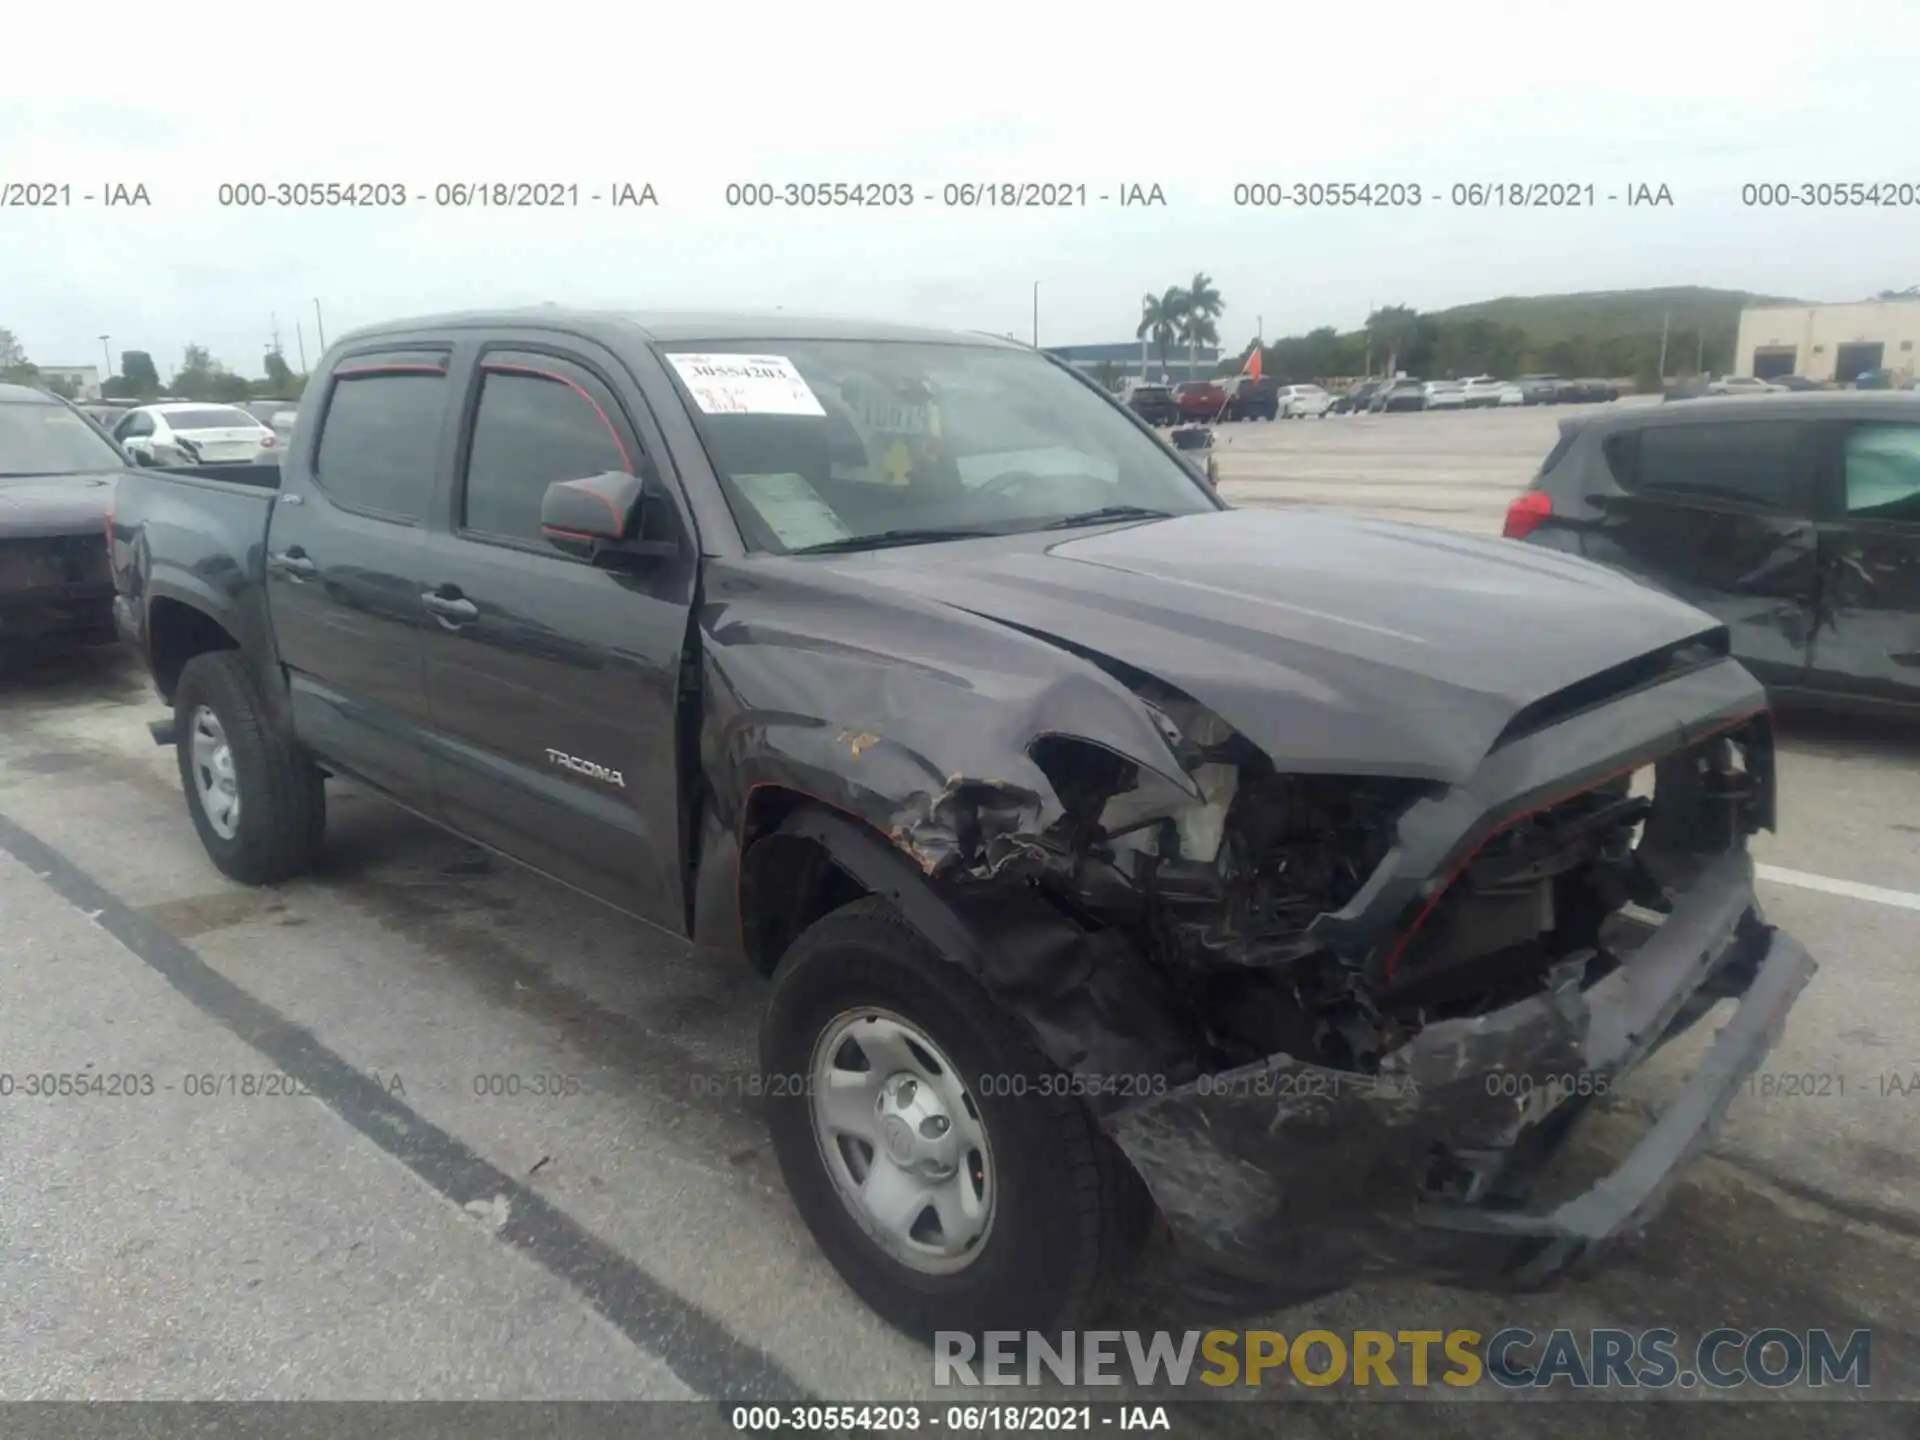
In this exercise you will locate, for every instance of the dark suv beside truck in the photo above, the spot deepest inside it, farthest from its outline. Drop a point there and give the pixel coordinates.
(1794, 518)
(57, 473)
(1109, 851)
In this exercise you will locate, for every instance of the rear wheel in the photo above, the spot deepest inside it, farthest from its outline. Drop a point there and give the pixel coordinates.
(929, 1146)
(258, 803)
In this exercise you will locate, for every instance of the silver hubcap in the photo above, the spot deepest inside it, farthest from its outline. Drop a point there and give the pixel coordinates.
(213, 777)
(903, 1141)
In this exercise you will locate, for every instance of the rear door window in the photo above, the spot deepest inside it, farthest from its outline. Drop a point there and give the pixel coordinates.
(379, 440)
(1757, 463)
(1883, 473)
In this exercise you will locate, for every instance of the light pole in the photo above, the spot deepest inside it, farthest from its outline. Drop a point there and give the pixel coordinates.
(106, 354)
(320, 324)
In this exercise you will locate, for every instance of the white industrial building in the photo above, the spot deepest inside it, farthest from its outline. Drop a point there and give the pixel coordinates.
(1830, 342)
(85, 379)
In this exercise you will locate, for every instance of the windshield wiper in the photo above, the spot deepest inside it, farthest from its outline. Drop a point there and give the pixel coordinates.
(1105, 513)
(881, 539)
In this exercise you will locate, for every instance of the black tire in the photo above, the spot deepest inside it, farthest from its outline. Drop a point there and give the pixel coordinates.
(283, 806)
(1070, 1214)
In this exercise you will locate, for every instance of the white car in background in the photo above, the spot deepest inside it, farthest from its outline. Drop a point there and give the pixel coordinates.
(1299, 402)
(1446, 395)
(1742, 385)
(194, 434)
(1483, 391)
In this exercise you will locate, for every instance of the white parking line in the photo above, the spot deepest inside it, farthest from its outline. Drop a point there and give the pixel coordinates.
(1903, 899)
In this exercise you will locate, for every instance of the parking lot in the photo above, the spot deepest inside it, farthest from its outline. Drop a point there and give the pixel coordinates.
(521, 1159)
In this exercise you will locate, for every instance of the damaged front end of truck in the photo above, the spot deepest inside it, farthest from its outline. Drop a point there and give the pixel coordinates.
(1342, 1023)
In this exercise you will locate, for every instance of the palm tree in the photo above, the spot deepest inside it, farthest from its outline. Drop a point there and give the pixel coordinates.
(1392, 328)
(1197, 329)
(1203, 306)
(1160, 317)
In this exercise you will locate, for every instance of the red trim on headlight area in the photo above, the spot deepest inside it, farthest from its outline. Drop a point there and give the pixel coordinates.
(1433, 901)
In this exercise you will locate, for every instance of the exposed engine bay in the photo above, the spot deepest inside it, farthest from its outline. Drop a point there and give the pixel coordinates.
(1237, 898)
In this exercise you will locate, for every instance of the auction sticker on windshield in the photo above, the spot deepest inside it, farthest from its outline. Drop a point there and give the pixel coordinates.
(746, 385)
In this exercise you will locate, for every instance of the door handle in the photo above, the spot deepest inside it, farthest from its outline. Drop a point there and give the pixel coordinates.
(450, 607)
(293, 561)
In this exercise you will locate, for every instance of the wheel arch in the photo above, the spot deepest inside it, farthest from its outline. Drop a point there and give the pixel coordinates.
(177, 631)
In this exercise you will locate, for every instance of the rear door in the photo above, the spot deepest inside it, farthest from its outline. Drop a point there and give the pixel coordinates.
(343, 565)
(554, 683)
(1867, 644)
(1721, 514)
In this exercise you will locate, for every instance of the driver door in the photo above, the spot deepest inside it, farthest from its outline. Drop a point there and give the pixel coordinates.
(553, 684)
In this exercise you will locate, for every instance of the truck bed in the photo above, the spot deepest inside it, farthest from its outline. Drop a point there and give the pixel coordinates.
(195, 534)
(253, 476)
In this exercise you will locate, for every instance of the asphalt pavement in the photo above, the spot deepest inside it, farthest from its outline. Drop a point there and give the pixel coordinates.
(424, 1126)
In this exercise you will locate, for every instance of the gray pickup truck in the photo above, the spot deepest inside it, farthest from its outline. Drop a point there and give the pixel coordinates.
(1113, 854)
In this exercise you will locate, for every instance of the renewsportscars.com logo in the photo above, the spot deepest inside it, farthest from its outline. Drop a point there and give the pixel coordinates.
(1774, 1358)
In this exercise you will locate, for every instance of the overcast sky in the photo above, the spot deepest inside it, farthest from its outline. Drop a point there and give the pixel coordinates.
(1699, 97)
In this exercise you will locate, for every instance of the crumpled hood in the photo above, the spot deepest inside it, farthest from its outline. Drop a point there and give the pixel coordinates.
(1337, 645)
(54, 504)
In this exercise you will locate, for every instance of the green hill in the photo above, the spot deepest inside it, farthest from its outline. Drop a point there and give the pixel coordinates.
(1597, 315)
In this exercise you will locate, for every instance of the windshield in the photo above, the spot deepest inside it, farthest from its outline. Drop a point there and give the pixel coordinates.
(38, 438)
(823, 442)
(214, 417)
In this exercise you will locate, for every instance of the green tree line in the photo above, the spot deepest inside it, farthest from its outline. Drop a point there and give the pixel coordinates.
(198, 376)
(1397, 338)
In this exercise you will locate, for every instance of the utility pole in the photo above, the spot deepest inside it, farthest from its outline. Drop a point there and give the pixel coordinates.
(300, 338)
(1666, 321)
(274, 320)
(106, 353)
(319, 324)
(1036, 314)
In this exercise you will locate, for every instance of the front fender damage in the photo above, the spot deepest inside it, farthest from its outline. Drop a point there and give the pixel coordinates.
(1284, 995)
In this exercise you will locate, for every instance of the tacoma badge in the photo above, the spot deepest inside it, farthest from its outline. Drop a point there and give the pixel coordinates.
(586, 767)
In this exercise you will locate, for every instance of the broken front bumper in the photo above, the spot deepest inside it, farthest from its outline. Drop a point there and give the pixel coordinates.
(1282, 1178)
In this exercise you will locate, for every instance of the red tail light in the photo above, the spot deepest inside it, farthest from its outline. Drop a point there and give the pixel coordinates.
(269, 440)
(1527, 513)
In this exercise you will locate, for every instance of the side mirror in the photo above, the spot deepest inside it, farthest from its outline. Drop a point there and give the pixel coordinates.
(600, 517)
(143, 458)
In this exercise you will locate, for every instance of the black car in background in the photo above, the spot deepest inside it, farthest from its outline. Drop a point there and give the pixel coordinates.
(1355, 399)
(1151, 402)
(1586, 391)
(1793, 518)
(1251, 397)
(1541, 389)
(1406, 393)
(57, 475)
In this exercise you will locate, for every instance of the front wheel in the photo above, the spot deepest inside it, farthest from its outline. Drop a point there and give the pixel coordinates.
(258, 803)
(932, 1151)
